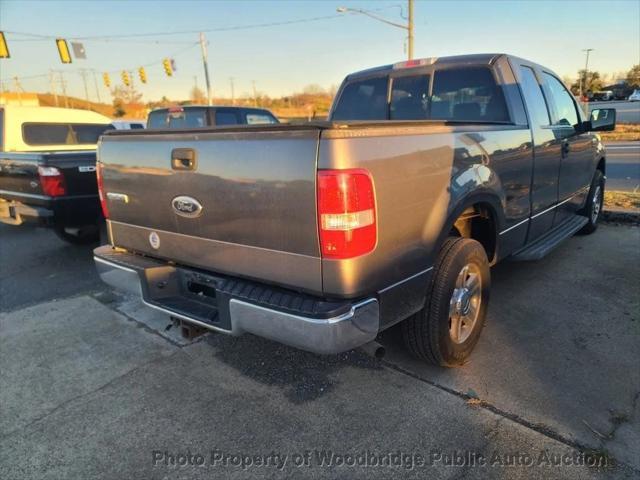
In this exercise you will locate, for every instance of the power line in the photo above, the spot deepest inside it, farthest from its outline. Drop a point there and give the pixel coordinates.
(79, 71)
(185, 32)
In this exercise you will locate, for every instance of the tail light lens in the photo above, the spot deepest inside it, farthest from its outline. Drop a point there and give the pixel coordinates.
(101, 193)
(346, 213)
(52, 181)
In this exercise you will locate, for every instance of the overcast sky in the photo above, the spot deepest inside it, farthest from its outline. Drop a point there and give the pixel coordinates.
(284, 58)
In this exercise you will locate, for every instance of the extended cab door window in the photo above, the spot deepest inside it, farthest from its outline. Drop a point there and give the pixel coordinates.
(566, 114)
(538, 112)
(363, 100)
(410, 98)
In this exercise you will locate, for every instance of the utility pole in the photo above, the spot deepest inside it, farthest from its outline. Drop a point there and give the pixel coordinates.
(410, 29)
(52, 86)
(16, 82)
(255, 94)
(63, 84)
(95, 82)
(203, 47)
(233, 95)
(83, 74)
(586, 70)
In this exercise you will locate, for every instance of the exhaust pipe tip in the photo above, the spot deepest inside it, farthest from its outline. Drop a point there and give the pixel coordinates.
(374, 349)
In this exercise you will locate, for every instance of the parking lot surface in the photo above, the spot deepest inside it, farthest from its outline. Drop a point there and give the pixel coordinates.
(623, 166)
(93, 386)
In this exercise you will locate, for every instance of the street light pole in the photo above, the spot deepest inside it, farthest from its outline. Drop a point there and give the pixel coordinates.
(408, 27)
(203, 47)
(586, 70)
(410, 30)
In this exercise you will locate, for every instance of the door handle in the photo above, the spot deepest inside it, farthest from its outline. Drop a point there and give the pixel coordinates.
(566, 148)
(183, 159)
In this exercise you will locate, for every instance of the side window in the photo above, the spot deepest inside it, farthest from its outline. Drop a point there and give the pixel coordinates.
(565, 107)
(259, 118)
(467, 94)
(363, 100)
(534, 99)
(410, 98)
(226, 118)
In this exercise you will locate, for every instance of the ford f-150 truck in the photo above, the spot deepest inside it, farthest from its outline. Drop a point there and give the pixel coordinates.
(47, 169)
(322, 235)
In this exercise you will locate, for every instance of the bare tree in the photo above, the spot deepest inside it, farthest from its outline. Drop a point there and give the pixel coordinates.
(197, 96)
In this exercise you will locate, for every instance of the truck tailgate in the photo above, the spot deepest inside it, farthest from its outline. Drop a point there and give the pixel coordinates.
(19, 172)
(255, 187)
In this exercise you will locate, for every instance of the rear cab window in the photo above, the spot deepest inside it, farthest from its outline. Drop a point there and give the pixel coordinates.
(37, 134)
(363, 100)
(410, 98)
(469, 93)
(178, 118)
(226, 117)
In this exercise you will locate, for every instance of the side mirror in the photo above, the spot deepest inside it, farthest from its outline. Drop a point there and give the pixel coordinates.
(603, 120)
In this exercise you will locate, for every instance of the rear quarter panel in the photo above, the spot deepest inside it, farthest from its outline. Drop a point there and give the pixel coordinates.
(422, 176)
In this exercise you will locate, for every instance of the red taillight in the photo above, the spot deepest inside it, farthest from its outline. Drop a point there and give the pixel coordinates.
(101, 194)
(346, 213)
(52, 181)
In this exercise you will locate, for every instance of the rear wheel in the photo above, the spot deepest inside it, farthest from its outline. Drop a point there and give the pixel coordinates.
(595, 201)
(447, 329)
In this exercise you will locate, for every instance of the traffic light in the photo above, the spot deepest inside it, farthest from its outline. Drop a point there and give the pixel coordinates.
(4, 49)
(125, 78)
(166, 63)
(143, 75)
(63, 50)
(106, 80)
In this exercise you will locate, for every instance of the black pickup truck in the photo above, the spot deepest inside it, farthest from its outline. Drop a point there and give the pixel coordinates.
(52, 189)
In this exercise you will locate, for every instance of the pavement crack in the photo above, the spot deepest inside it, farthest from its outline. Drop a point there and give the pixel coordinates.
(536, 427)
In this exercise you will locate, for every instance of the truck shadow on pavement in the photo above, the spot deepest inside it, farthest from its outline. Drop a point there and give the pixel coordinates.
(302, 376)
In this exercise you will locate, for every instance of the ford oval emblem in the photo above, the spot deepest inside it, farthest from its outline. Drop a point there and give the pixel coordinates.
(186, 206)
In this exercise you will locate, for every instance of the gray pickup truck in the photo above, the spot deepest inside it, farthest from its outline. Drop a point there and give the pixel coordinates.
(322, 235)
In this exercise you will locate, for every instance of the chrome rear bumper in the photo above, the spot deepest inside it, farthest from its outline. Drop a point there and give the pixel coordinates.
(356, 325)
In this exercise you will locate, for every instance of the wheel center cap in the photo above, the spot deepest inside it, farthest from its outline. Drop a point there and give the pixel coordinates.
(463, 301)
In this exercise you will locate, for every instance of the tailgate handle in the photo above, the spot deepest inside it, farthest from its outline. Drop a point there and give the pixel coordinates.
(183, 159)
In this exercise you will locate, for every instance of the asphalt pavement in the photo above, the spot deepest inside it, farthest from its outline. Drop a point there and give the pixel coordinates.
(94, 386)
(623, 166)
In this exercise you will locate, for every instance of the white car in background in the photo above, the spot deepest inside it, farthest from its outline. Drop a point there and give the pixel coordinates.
(129, 124)
(635, 96)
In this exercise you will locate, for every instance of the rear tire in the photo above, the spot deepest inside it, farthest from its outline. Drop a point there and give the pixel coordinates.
(595, 201)
(447, 329)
